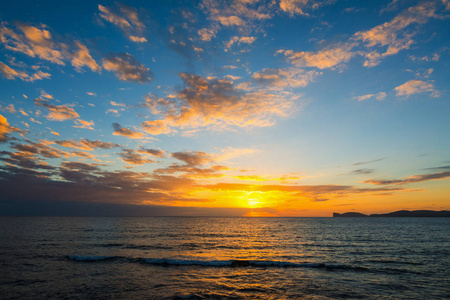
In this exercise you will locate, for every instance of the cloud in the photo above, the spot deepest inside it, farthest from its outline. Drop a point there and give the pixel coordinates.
(155, 127)
(368, 162)
(246, 16)
(114, 103)
(119, 130)
(84, 124)
(24, 159)
(42, 148)
(127, 68)
(130, 156)
(394, 34)
(10, 73)
(380, 41)
(10, 108)
(363, 171)
(83, 154)
(206, 34)
(80, 166)
(312, 192)
(216, 102)
(416, 87)
(323, 59)
(298, 7)
(81, 57)
(379, 96)
(191, 171)
(5, 129)
(57, 112)
(283, 78)
(240, 40)
(33, 42)
(127, 19)
(38, 42)
(439, 168)
(86, 144)
(411, 179)
(154, 152)
(193, 158)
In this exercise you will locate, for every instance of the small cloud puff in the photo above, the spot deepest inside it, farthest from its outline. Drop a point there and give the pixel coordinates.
(379, 96)
(416, 87)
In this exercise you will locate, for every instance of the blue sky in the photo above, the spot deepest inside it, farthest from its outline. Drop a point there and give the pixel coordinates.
(285, 108)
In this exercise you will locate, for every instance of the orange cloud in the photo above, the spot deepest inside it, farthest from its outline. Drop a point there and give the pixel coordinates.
(212, 101)
(298, 7)
(240, 40)
(119, 130)
(322, 59)
(84, 124)
(5, 128)
(81, 57)
(155, 127)
(416, 87)
(393, 34)
(57, 112)
(85, 144)
(10, 73)
(38, 42)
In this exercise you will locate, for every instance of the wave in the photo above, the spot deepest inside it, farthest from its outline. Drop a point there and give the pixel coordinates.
(168, 262)
(245, 263)
(89, 258)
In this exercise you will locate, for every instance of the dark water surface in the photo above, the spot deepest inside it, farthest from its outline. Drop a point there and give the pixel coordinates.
(224, 258)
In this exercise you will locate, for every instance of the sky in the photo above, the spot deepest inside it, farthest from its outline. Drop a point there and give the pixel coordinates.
(244, 107)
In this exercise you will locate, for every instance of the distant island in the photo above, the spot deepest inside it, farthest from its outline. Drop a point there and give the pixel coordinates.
(400, 213)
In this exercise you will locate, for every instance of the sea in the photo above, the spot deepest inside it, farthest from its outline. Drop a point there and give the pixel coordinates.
(224, 258)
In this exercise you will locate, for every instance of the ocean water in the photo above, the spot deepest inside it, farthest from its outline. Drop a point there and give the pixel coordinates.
(224, 258)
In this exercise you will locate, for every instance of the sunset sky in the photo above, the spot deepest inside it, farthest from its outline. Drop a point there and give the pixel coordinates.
(245, 107)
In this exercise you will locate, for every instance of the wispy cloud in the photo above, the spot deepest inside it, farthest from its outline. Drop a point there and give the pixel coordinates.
(368, 162)
(127, 19)
(394, 34)
(379, 96)
(411, 179)
(300, 7)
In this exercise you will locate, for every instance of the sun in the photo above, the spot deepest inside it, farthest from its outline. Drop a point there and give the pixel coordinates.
(253, 199)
